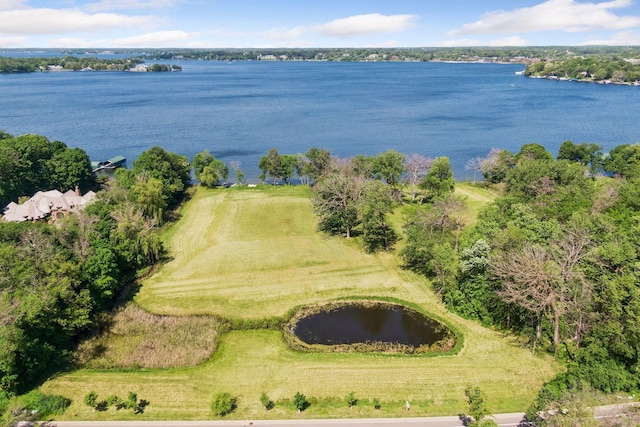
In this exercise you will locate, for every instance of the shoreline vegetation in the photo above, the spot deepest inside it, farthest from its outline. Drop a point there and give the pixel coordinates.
(601, 64)
(72, 63)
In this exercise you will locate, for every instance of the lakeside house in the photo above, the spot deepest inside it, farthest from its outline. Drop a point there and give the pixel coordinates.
(47, 204)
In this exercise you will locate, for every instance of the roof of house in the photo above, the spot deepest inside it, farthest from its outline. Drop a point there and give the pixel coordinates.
(43, 203)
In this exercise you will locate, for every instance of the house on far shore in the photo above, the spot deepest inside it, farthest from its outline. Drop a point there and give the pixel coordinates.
(47, 204)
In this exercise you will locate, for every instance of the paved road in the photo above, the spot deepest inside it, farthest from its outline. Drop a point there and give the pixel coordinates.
(502, 419)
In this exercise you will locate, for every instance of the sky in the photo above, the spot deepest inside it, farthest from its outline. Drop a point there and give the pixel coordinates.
(316, 23)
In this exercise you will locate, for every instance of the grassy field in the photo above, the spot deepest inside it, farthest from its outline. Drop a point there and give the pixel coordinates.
(247, 254)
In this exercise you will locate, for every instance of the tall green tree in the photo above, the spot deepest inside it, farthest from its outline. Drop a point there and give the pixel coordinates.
(439, 181)
(172, 169)
(209, 170)
(377, 233)
(389, 166)
(270, 165)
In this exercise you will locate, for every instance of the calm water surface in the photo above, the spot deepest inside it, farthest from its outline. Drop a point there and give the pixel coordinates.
(356, 324)
(240, 110)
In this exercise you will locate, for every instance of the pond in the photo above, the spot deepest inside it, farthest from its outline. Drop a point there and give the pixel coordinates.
(366, 323)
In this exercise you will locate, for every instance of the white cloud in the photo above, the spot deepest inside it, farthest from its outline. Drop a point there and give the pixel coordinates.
(564, 15)
(11, 4)
(156, 39)
(107, 5)
(56, 21)
(507, 41)
(7, 42)
(624, 38)
(373, 23)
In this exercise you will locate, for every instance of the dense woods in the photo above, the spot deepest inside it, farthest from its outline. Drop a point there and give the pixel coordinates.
(554, 260)
(58, 279)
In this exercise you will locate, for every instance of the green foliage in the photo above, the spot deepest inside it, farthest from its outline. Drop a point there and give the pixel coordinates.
(439, 181)
(351, 399)
(209, 170)
(624, 160)
(45, 404)
(389, 166)
(171, 169)
(31, 163)
(377, 204)
(300, 402)
(495, 166)
(266, 401)
(318, 163)
(588, 155)
(223, 403)
(477, 405)
(90, 399)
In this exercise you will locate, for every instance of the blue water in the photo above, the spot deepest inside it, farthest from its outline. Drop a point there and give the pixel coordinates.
(240, 110)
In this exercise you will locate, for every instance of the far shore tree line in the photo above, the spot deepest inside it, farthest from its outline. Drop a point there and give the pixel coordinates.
(553, 260)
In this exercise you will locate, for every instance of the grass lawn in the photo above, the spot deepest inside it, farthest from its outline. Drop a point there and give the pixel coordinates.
(255, 253)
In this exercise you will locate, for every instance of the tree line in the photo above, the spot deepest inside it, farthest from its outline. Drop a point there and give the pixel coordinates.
(73, 63)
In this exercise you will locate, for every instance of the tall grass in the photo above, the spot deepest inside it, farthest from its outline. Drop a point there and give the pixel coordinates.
(138, 339)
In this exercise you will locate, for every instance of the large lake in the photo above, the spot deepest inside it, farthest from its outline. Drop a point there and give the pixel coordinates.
(240, 110)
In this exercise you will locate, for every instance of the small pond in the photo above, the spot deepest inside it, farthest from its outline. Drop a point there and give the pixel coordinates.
(383, 323)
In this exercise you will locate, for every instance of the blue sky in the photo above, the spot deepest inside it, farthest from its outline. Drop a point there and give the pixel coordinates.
(312, 23)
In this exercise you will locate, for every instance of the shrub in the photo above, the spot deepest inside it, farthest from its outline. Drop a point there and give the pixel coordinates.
(266, 402)
(351, 399)
(90, 399)
(223, 403)
(300, 402)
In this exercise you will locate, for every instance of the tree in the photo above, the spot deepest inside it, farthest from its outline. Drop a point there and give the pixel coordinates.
(553, 189)
(319, 163)
(547, 281)
(364, 165)
(235, 165)
(148, 193)
(172, 169)
(588, 155)
(417, 166)
(336, 199)
(624, 161)
(390, 167)
(300, 402)
(478, 407)
(209, 170)
(495, 166)
(534, 151)
(287, 167)
(270, 164)
(69, 168)
(377, 203)
(475, 165)
(439, 181)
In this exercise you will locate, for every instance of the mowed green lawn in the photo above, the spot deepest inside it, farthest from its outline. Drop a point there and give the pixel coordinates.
(255, 253)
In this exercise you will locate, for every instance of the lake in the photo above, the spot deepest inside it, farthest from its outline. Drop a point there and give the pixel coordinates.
(240, 110)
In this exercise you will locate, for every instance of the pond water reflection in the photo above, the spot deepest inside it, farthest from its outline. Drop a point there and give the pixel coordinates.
(353, 324)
